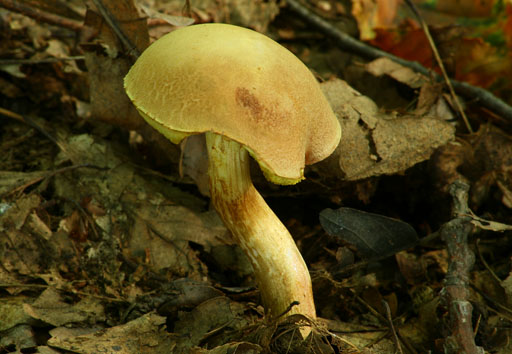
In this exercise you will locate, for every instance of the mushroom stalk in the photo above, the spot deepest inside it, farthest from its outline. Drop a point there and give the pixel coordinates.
(280, 271)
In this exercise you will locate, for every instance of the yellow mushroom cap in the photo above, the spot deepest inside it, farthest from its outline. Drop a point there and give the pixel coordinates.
(241, 84)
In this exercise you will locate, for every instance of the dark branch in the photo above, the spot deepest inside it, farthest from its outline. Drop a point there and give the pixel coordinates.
(484, 97)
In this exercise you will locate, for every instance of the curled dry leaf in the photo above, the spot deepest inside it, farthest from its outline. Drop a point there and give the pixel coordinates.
(170, 19)
(385, 66)
(374, 143)
(431, 99)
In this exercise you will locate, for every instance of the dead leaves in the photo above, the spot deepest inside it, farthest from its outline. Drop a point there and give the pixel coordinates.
(77, 253)
(483, 159)
(374, 143)
(91, 252)
(145, 334)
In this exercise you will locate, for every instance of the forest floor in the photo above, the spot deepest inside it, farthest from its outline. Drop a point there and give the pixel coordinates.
(109, 242)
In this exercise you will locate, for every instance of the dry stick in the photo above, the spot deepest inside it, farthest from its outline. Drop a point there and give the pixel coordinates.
(54, 139)
(440, 63)
(39, 61)
(484, 262)
(69, 291)
(30, 122)
(484, 97)
(41, 16)
(114, 24)
(47, 174)
(496, 303)
(455, 293)
(392, 326)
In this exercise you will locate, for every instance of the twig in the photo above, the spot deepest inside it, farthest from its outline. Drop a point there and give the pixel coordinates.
(30, 122)
(72, 291)
(392, 326)
(343, 40)
(38, 176)
(131, 49)
(39, 61)
(361, 264)
(495, 303)
(455, 293)
(484, 262)
(440, 63)
(40, 15)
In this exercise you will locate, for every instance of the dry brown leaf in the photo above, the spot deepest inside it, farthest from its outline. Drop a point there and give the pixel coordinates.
(107, 67)
(146, 334)
(12, 313)
(373, 143)
(484, 159)
(178, 21)
(371, 14)
(410, 267)
(256, 14)
(39, 227)
(385, 66)
(9, 89)
(21, 252)
(16, 214)
(507, 286)
(161, 232)
(233, 347)
(200, 323)
(22, 336)
(109, 102)
(50, 309)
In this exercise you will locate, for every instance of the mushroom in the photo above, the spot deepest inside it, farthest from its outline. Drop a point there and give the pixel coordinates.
(251, 97)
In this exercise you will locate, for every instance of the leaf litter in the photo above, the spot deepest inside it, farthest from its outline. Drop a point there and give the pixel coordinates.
(104, 246)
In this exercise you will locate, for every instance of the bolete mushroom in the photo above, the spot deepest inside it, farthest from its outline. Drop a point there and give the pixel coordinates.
(250, 96)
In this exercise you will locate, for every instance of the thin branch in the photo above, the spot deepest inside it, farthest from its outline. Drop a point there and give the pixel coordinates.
(41, 16)
(440, 64)
(455, 293)
(39, 61)
(114, 24)
(30, 122)
(61, 289)
(392, 326)
(343, 40)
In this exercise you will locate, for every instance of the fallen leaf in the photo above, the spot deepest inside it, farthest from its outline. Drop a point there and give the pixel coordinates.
(12, 313)
(374, 236)
(371, 14)
(229, 348)
(22, 337)
(220, 312)
(374, 143)
(144, 335)
(50, 308)
(405, 75)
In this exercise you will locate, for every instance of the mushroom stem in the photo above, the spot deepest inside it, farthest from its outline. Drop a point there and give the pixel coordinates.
(280, 271)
